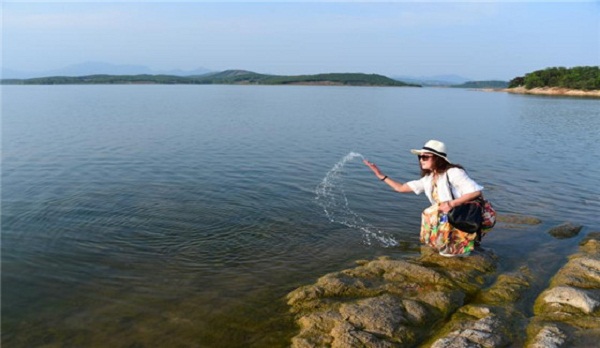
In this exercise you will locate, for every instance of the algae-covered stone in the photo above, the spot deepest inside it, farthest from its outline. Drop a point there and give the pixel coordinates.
(591, 243)
(455, 342)
(345, 335)
(314, 329)
(581, 271)
(518, 219)
(550, 336)
(416, 312)
(433, 301)
(385, 302)
(381, 315)
(565, 230)
(492, 319)
(485, 332)
(563, 298)
(481, 326)
(568, 312)
(444, 302)
(508, 288)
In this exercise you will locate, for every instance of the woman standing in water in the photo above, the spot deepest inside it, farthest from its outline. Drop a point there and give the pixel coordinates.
(438, 177)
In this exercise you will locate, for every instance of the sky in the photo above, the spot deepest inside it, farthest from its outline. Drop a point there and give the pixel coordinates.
(480, 40)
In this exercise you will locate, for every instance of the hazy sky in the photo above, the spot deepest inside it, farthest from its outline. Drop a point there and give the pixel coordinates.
(477, 40)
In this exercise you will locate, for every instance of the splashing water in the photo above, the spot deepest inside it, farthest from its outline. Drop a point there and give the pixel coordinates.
(332, 197)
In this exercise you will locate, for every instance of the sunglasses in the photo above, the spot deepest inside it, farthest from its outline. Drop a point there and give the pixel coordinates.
(424, 158)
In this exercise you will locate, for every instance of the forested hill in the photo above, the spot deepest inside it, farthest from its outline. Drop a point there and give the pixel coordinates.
(240, 77)
(581, 78)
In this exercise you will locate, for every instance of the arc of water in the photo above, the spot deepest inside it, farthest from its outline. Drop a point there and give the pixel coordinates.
(331, 196)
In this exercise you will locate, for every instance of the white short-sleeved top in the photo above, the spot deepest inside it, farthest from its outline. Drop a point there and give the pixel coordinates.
(459, 181)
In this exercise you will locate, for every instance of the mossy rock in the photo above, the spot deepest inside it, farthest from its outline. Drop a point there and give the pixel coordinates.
(570, 307)
(385, 302)
(508, 288)
(565, 230)
(480, 326)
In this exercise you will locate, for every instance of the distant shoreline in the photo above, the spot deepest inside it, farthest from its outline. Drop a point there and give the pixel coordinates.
(552, 91)
(227, 77)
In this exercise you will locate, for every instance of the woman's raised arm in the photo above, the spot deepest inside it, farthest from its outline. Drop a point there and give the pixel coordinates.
(397, 186)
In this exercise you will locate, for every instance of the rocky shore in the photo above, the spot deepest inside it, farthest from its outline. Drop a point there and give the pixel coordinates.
(434, 301)
(554, 91)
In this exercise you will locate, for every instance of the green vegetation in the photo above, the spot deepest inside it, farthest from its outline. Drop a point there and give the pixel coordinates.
(483, 84)
(581, 77)
(336, 79)
(225, 77)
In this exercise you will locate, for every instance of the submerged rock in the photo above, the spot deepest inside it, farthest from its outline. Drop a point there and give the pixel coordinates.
(518, 219)
(565, 230)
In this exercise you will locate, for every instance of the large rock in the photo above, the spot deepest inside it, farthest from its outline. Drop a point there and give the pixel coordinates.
(568, 312)
(440, 302)
(493, 319)
(568, 299)
(386, 303)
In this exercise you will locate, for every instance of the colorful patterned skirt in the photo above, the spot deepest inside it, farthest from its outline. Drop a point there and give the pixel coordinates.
(437, 232)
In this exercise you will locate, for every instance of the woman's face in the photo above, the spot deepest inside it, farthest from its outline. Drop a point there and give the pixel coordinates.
(426, 161)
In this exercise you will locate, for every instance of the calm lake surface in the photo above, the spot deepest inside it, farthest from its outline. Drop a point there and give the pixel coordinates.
(149, 216)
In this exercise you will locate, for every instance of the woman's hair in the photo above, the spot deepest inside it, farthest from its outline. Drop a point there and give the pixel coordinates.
(441, 165)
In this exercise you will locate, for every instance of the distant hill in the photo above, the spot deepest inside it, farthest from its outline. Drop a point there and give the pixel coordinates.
(483, 84)
(346, 79)
(436, 80)
(224, 77)
(101, 79)
(99, 68)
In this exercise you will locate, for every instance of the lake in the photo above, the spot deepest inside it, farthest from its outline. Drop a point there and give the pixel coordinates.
(155, 215)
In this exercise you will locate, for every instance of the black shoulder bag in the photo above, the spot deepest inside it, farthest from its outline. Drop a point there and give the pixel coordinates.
(466, 217)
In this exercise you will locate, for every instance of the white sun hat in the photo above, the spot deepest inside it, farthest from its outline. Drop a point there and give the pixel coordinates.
(435, 147)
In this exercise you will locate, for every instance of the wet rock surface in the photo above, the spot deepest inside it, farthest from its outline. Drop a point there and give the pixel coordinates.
(565, 230)
(493, 319)
(387, 303)
(434, 301)
(567, 314)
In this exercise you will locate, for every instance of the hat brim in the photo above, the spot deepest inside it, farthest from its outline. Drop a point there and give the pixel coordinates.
(419, 152)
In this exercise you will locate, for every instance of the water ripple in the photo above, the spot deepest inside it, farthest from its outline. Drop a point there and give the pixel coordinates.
(128, 209)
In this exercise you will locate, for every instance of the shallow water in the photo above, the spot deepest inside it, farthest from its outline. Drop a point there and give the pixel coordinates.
(183, 215)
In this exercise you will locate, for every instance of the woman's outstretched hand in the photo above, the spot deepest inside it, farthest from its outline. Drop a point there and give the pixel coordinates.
(397, 186)
(374, 168)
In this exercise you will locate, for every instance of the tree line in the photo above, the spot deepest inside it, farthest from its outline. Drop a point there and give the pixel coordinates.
(225, 77)
(581, 77)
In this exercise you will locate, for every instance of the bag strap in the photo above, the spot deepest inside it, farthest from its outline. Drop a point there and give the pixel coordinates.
(449, 185)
